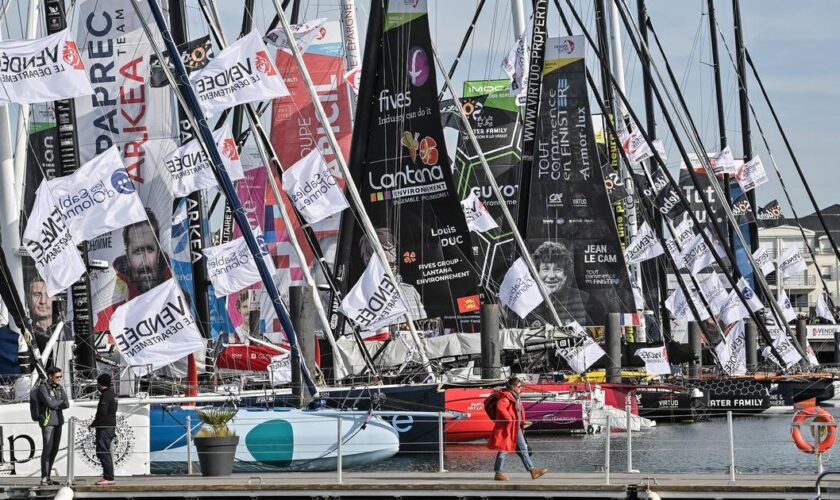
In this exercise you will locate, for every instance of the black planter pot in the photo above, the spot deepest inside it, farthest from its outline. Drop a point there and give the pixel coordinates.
(216, 454)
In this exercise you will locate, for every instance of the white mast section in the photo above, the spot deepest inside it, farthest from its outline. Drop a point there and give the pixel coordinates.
(24, 109)
(352, 190)
(517, 11)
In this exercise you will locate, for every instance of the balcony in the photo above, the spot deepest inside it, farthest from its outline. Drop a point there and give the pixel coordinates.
(793, 281)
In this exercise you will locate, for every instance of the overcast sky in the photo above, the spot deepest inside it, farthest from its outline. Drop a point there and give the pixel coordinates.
(794, 45)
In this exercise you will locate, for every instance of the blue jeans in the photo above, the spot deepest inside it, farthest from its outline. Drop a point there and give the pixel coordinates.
(521, 450)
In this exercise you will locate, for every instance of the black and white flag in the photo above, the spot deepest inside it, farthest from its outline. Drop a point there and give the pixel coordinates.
(231, 267)
(764, 260)
(753, 301)
(191, 170)
(732, 350)
(791, 262)
(644, 246)
(313, 189)
(478, 217)
(656, 360)
(580, 352)
(751, 174)
(822, 309)
(304, 34)
(374, 301)
(787, 308)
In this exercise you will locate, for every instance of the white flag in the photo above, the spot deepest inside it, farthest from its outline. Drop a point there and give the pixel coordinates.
(353, 79)
(812, 356)
(374, 301)
(478, 218)
(644, 246)
(231, 267)
(659, 146)
(98, 198)
(46, 69)
(732, 350)
(155, 328)
(656, 360)
(313, 189)
(751, 174)
(763, 260)
(786, 349)
(683, 234)
(634, 144)
(304, 34)
(519, 290)
(787, 308)
(733, 310)
(191, 170)
(515, 65)
(241, 73)
(822, 309)
(580, 352)
(753, 301)
(725, 162)
(696, 254)
(714, 292)
(280, 369)
(50, 244)
(791, 262)
(680, 310)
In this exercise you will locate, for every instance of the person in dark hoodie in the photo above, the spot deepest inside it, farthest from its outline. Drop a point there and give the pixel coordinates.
(105, 425)
(52, 400)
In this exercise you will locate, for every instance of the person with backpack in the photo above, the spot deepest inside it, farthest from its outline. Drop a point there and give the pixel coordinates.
(508, 435)
(105, 424)
(50, 401)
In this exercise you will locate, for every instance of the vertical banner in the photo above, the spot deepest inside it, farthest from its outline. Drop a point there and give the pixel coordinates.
(406, 181)
(128, 112)
(571, 229)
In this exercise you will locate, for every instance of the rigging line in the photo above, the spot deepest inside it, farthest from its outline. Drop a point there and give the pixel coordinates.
(684, 116)
(463, 46)
(684, 202)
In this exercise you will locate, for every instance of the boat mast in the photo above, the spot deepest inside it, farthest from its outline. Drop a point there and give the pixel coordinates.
(352, 48)
(517, 11)
(208, 145)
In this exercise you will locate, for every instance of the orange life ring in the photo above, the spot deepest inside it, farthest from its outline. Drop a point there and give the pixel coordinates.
(826, 436)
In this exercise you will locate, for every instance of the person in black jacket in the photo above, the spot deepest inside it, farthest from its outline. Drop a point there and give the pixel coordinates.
(105, 424)
(51, 401)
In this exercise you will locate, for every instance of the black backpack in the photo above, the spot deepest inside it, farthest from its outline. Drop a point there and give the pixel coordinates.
(491, 402)
(35, 404)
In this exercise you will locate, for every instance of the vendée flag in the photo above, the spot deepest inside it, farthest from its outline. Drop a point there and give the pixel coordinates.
(656, 360)
(191, 170)
(46, 69)
(374, 301)
(304, 34)
(643, 247)
(791, 262)
(241, 73)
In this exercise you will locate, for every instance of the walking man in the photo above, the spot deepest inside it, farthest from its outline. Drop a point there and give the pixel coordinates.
(105, 425)
(52, 400)
(508, 433)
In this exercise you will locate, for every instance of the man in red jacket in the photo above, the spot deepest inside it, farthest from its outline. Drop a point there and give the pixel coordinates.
(508, 431)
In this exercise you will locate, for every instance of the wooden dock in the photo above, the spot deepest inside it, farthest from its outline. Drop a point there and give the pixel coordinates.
(451, 485)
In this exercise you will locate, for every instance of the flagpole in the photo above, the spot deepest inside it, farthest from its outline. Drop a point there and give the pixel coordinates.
(208, 145)
(355, 197)
(10, 194)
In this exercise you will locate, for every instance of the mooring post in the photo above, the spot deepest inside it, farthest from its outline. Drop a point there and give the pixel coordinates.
(71, 450)
(731, 446)
(836, 346)
(628, 408)
(340, 438)
(189, 446)
(802, 338)
(607, 452)
(695, 366)
(751, 337)
(302, 314)
(613, 338)
(491, 357)
(441, 442)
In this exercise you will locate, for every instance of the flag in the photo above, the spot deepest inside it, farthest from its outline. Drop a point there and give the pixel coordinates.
(812, 356)
(579, 352)
(353, 78)
(791, 262)
(656, 360)
(697, 256)
(241, 73)
(732, 350)
(786, 350)
(98, 198)
(155, 329)
(195, 54)
(770, 215)
(313, 189)
(303, 33)
(634, 145)
(231, 267)
(822, 309)
(191, 170)
(478, 217)
(753, 301)
(725, 162)
(280, 369)
(732, 310)
(519, 290)
(644, 246)
(616, 189)
(714, 292)
(742, 210)
(50, 244)
(46, 69)
(515, 66)
(751, 174)
(787, 308)
(374, 301)
(678, 305)
(682, 235)
(763, 260)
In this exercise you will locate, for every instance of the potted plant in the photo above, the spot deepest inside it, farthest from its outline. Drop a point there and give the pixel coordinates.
(216, 443)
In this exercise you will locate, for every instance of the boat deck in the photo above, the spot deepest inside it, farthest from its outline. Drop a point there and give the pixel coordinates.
(428, 484)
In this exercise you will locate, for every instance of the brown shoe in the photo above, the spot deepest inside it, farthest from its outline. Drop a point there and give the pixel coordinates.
(538, 473)
(501, 476)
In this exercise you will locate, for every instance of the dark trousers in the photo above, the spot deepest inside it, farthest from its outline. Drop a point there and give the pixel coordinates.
(104, 438)
(51, 436)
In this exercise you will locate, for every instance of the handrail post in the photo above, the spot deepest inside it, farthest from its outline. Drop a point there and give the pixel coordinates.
(607, 453)
(441, 443)
(731, 446)
(628, 408)
(71, 450)
(189, 446)
(339, 450)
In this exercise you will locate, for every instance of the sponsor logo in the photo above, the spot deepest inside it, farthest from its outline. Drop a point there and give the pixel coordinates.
(122, 182)
(71, 55)
(263, 64)
(428, 151)
(229, 149)
(469, 304)
(579, 200)
(409, 181)
(555, 200)
(567, 46)
(409, 257)
(748, 293)
(470, 107)
(417, 66)
(388, 102)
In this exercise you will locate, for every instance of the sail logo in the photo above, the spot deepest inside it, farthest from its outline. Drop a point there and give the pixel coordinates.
(121, 181)
(75, 205)
(555, 200)
(409, 181)
(417, 66)
(263, 64)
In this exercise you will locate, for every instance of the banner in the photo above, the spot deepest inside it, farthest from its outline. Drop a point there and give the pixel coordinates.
(406, 181)
(477, 215)
(644, 246)
(764, 260)
(239, 74)
(515, 66)
(791, 262)
(770, 215)
(753, 301)
(191, 170)
(787, 309)
(313, 189)
(656, 360)
(50, 244)
(725, 162)
(42, 70)
(231, 267)
(751, 174)
(519, 291)
(580, 352)
(822, 310)
(155, 329)
(822, 332)
(375, 301)
(571, 228)
(98, 198)
(303, 33)
(732, 350)
(614, 183)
